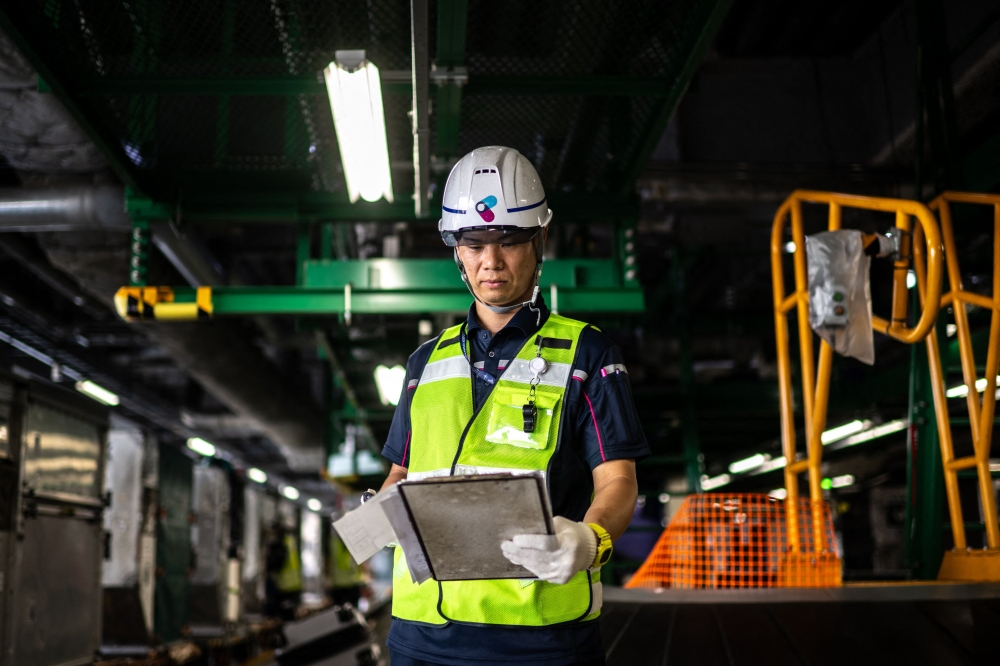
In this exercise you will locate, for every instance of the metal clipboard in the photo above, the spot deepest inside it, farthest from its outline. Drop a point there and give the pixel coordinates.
(451, 527)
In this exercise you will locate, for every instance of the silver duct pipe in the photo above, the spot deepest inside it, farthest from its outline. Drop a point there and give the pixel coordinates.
(98, 208)
(64, 209)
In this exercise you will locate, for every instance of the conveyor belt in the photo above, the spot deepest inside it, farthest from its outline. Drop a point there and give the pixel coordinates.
(851, 626)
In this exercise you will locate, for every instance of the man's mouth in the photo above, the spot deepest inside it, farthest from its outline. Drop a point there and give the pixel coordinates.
(493, 284)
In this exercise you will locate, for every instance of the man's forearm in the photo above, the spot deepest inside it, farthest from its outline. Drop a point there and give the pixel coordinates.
(614, 500)
(396, 474)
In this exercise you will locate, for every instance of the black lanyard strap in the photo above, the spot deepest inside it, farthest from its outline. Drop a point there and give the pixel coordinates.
(482, 374)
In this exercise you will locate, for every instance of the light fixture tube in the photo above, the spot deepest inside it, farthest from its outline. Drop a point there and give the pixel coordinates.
(200, 446)
(257, 475)
(97, 392)
(355, 91)
(389, 382)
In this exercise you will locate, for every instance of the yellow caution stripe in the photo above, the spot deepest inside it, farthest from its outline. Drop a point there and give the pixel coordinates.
(157, 303)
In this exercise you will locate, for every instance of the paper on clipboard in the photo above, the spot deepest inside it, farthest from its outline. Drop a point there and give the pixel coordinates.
(451, 528)
(365, 531)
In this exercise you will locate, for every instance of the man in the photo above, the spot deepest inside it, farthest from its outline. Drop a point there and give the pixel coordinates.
(514, 388)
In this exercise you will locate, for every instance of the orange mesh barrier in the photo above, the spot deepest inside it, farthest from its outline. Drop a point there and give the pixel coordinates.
(723, 540)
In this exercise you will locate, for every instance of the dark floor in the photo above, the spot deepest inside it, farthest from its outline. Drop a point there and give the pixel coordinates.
(852, 629)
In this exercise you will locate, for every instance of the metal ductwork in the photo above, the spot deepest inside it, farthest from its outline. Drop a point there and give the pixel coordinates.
(99, 207)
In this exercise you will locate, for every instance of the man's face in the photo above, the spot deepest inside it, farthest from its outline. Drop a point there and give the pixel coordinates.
(499, 274)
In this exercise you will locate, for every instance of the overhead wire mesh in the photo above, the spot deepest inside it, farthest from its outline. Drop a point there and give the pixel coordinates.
(141, 73)
(721, 540)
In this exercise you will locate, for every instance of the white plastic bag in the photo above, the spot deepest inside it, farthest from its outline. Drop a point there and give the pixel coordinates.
(840, 301)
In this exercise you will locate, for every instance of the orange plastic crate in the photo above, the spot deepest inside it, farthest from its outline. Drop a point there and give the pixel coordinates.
(720, 540)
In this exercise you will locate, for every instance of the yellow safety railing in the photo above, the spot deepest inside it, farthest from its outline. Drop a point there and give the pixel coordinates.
(816, 380)
(961, 563)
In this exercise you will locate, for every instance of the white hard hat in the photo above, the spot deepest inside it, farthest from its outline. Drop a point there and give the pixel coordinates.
(493, 189)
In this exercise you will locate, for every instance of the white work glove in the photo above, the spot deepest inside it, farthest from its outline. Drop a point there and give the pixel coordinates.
(554, 557)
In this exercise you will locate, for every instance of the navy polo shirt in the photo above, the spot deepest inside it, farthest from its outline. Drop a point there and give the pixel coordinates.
(599, 424)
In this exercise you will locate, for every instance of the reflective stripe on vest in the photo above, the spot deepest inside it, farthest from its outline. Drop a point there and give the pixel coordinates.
(449, 438)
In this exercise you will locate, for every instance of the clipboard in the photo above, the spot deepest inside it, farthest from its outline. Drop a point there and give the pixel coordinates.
(451, 527)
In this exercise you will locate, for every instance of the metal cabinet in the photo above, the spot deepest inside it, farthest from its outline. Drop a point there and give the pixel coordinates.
(52, 542)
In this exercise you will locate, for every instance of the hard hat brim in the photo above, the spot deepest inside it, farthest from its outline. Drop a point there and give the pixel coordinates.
(499, 235)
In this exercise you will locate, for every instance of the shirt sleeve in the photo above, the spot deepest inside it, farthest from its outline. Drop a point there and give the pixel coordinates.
(606, 423)
(397, 444)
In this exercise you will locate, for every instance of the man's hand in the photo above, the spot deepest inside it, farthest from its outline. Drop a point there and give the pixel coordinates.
(554, 557)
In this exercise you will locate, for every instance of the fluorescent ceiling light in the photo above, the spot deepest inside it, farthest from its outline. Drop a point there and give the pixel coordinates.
(664, 498)
(962, 390)
(790, 247)
(778, 493)
(950, 329)
(911, 280)
(748, 464)
(840, 432)
(97, 392)
(771, 465)
(257, 475)
(198, 445)
(355, 92)
(886, 428)
(314, 504)
(290, 492)
(842, 481)
(711, 483)
(389, 382)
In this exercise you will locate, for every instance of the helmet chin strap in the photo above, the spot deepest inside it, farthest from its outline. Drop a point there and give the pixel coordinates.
(504, 309)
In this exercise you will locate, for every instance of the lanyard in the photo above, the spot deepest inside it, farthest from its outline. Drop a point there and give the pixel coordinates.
(482, 374)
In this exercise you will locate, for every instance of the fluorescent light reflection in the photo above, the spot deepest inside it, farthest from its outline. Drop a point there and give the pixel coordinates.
(886, 428)
(355, 92)
(389, 382)
(201, 447)
(314, 504)
(290, 492)
(842, 481)
(962, 390)
(97, 392)
(840, 432)
(713, 482)
(748, 464)
(778, 493)
(257, 475)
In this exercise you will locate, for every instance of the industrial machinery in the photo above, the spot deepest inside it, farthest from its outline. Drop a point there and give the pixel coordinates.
(52, 449)
(129, 570)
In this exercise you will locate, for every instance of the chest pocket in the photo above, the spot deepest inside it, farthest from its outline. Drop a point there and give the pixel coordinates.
(506, 420)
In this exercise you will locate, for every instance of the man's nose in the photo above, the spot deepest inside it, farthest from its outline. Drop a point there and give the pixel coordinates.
(492, 259)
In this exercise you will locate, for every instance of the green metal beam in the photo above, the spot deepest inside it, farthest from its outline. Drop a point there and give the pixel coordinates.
(440, 274)
(654, 130)
(290, 208)
(306, 301)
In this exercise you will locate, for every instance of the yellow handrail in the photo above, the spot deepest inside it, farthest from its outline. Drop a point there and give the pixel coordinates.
(980, 413)
(816, 384)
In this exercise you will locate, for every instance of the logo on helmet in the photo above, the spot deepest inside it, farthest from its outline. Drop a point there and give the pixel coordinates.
(484, 206)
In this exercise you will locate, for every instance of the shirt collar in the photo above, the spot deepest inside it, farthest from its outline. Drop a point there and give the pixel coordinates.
(524, 320)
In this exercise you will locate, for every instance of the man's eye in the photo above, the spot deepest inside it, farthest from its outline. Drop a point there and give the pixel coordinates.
(475, 248)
